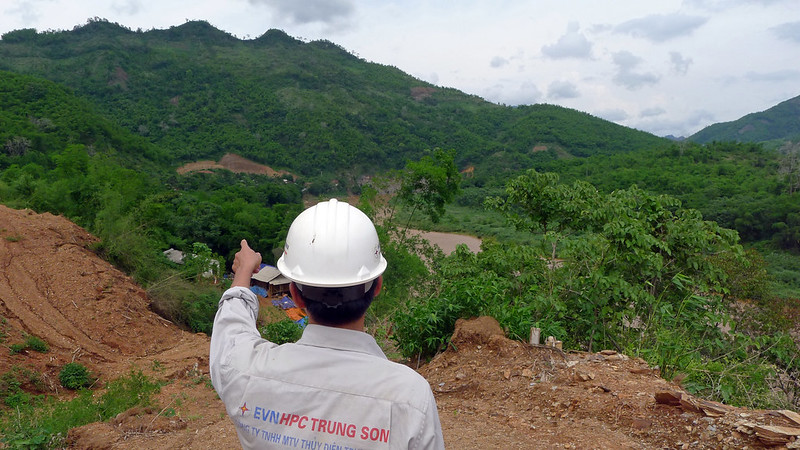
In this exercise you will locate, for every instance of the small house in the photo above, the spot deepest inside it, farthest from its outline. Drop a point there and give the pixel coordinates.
(270, 278)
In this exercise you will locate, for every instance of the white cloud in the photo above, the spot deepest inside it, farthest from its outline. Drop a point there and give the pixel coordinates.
(613, 115)
(626, 76)
(773, 77)
(789, 31)
(562, 90)
(430, 77)
(573, 44)
(726, 5)
(661, 27)
(506, 93)
(28, 11)
(633, 80)
(128, 7)
(652, 112)
(498, 61)
(626, 61)
(665, 124)
(680, 64)
(333, 13)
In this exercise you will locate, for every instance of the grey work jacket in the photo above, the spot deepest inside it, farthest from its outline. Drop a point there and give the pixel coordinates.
(333, 389)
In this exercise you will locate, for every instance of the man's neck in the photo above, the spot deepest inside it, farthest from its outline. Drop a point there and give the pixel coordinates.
(356, 325)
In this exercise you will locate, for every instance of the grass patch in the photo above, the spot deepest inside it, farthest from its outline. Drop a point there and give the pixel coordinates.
(182, 301)
(784, 271)
(32, 342)
(40, 423)
(11, 383)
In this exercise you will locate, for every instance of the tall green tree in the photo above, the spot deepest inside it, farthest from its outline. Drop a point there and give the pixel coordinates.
(429, 184)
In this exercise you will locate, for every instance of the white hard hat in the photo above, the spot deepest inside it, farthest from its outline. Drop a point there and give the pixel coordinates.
(332, 244)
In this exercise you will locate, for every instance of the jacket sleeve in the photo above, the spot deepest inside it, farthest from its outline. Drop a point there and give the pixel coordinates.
(234, 328)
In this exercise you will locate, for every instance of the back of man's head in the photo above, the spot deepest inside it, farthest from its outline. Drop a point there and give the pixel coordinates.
(333, 257)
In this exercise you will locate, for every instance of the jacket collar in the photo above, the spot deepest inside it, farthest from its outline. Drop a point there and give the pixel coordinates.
(340, 339)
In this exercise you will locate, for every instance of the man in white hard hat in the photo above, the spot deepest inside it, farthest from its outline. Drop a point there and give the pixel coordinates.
(334, 388)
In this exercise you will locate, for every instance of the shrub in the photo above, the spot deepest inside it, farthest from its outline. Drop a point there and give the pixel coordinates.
(200, 310)
(16, 348)
(31, 343)
(37, 344)
(75, 376)
(184, 302)
(281, 332)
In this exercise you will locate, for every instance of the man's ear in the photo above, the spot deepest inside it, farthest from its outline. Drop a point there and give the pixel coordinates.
(379, 285)
(297, 298)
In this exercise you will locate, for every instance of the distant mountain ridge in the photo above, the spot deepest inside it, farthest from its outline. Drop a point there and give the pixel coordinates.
(311, 108)
(781, 122)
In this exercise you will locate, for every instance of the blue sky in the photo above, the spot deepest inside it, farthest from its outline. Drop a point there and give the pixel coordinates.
(663, 66)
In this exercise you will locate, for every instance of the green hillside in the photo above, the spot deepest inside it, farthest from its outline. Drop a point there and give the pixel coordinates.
(311, 108)
(194, 92)
(777, 123)
(48, 116)
(59, 155)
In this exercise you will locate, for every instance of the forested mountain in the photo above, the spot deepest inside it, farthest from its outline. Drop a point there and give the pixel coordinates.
(311, 108)
(194, 92)
(781, 122)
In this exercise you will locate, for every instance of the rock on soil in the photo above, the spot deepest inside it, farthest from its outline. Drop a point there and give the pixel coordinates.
(491, 392)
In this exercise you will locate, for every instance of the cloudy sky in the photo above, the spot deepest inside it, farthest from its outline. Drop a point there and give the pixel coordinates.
(663, 66)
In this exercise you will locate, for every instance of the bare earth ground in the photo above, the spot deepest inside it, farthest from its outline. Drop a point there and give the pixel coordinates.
(234, 163)
(491, 392)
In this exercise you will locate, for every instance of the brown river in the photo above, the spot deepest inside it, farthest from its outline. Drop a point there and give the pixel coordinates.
(449, 241)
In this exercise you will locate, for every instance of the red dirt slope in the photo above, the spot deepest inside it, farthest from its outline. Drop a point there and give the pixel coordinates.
(52, 286)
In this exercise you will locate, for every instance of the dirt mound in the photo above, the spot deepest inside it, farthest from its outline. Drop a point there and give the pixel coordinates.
(492, 392)
(475, 331)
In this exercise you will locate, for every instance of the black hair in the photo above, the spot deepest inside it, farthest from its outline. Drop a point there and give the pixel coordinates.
(331, 307)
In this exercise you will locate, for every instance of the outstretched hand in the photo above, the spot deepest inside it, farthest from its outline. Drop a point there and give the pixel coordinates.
(245, 264)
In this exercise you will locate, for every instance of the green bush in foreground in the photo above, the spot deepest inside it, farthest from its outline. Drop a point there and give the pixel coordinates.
(45, 424)
(74, 376)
